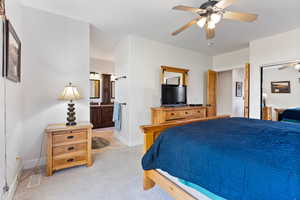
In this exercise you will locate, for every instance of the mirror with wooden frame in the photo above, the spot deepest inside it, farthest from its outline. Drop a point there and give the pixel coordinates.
(94, 89)
(173, 76)
(94, 85)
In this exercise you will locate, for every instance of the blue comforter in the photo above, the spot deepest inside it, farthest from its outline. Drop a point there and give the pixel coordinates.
(235, 158)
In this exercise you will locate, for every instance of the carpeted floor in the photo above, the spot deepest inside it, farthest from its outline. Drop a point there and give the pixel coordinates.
(115, 175)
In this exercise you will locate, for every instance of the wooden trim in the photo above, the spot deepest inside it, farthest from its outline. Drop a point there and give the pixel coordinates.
(212, 93)
(49, 155)
(161, 127)
(184, 73)
(169, 186)
(152, 177)
(174, 69)
(247, 91)
(89, 148)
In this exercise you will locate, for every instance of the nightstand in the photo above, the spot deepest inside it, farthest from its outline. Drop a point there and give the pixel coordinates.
(68, 146)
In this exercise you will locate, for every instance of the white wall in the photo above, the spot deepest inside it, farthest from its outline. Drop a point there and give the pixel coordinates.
(122, 57)
(143, 68)
(14, 113)
(102, 66)
(55, 52)
(231, 60)
(224, 93)
(238, 75)
(277, 48)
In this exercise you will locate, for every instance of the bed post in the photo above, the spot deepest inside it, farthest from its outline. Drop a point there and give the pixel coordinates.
(148, 141)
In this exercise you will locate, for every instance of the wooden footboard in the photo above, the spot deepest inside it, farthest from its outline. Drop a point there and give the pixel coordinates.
(152, 177)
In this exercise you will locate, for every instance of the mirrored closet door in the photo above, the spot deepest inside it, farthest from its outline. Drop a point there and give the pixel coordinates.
(280, 92)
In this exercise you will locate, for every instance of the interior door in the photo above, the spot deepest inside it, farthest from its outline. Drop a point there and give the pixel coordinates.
(211, 93)
(246, 90)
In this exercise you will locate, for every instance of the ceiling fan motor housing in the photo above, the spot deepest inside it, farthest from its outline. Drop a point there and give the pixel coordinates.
(208, 4)
(209, 7)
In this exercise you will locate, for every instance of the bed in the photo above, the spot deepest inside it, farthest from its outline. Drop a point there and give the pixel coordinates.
(288, 115)
(244, 158)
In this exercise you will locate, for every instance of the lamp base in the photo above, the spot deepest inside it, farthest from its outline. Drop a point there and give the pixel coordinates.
(71, 115)
(71, 123)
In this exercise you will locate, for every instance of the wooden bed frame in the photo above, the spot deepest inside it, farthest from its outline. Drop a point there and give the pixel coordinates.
(152, 177)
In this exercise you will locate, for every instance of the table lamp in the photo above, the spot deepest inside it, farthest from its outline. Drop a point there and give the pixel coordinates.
(70, 93)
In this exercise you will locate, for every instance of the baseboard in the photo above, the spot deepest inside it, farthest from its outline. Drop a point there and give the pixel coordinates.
(13, 186)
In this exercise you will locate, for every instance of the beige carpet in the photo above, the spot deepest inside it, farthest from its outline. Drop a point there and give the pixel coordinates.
(115, 175)
(107, 133)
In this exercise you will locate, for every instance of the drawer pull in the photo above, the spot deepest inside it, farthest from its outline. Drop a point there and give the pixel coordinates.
(71, 148)
(70, 160)
(186, 113)
(172, 114)
(70, 137)
(198, 111)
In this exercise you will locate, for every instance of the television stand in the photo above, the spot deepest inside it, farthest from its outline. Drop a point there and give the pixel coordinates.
(162, 115)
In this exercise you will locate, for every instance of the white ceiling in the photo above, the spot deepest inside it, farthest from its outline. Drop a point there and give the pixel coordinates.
(155, 20)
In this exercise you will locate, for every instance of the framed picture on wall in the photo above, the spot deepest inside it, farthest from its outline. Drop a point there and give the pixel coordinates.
(239, 89)
(281, 87)
(11, 53)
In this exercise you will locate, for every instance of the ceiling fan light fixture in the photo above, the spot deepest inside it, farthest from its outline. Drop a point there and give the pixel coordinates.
(211, 25)
(215, 18)
(201, 23)
(297, 66)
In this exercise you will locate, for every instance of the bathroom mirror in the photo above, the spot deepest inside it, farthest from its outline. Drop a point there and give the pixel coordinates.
(94, 89)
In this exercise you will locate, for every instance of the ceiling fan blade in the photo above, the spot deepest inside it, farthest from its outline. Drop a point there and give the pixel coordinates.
(210, 33)
(189, 9)
(287, 66)
(244, 17)
(283, 67)
(191, 23)
(224, 3)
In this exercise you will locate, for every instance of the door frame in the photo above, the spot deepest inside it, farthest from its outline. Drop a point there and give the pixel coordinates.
(239, 67)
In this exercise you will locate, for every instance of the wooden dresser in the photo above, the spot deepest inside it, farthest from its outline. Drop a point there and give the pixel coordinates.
(68, 146)
(166, 114)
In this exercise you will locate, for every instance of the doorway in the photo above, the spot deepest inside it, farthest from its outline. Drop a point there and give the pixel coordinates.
(230, 91)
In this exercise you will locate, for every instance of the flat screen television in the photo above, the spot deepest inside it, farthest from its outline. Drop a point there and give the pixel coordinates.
(173, 94)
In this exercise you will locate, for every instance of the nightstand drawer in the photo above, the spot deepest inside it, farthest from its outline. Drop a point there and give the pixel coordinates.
(69, 148)
(69, 160)
(68, 137)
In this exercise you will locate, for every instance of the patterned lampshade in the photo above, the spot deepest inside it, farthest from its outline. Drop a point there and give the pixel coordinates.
(70, 93)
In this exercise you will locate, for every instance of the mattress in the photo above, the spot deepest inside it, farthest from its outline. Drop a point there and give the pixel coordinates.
(186, 188)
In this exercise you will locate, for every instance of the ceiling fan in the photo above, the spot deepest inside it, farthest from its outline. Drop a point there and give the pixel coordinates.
(296, 65)
(210, 13)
